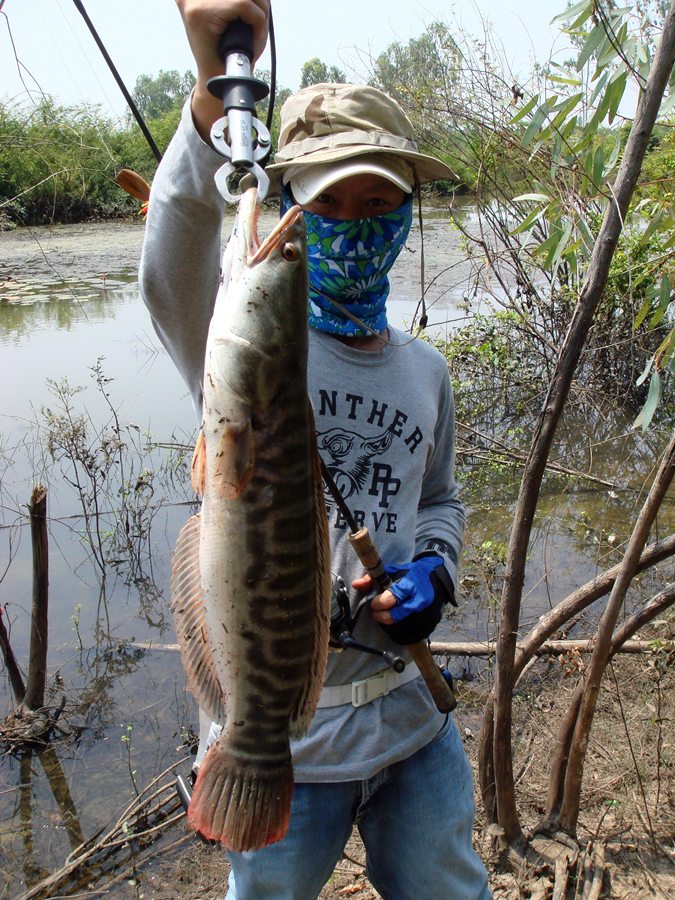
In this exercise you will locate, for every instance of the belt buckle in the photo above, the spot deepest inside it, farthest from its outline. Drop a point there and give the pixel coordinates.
(368, 689)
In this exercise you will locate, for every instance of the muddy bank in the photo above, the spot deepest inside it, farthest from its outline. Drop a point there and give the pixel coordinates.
(78, 251)
(627, 803)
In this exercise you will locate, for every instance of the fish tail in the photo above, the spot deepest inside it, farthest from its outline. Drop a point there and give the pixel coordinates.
(242, 806)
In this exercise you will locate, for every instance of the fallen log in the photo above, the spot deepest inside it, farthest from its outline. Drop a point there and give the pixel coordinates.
(486, 648)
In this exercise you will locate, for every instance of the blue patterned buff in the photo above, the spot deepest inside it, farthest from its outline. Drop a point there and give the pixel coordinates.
(348, 263)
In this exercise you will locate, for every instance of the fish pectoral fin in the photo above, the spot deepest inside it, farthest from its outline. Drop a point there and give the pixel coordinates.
(189, 618)
(234, 460)
(309, 696)
(198, 467)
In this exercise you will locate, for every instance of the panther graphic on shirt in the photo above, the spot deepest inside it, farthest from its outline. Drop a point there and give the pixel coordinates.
(354, 458)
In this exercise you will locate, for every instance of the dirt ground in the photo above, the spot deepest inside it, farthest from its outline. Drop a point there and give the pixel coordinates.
(628, 810)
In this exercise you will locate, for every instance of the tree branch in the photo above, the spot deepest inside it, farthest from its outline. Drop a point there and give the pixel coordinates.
(569, 812)
(559, 387)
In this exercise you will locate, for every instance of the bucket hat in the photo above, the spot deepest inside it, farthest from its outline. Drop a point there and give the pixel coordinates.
(327, 123)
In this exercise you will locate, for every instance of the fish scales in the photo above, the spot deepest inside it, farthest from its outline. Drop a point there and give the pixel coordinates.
(252, 618)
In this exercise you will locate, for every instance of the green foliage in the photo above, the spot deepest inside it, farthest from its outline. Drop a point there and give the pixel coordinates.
(423, 75)
(314, 71)
(425, 68)
(495, 371)
(128, 749)
(157, 95)
(617, 47)
(130, 149)
(282, 94)
(657, 171)
(544, 162)
(57, 165)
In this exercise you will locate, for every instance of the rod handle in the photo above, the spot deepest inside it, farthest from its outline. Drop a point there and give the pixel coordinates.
(439, 688)
(366, 551)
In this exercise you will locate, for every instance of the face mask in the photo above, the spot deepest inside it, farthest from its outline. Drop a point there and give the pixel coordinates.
(348, 261)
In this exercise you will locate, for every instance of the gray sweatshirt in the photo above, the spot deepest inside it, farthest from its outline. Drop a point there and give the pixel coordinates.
(385, 428)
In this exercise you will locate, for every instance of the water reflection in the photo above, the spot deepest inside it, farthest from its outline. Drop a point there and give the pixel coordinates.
(44, 308)
(122, 417)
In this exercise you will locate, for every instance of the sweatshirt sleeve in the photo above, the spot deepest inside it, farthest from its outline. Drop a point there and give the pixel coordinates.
(441, 515)
(179, 268)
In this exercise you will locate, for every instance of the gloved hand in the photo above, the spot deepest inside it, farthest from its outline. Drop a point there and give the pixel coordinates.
(422, 588)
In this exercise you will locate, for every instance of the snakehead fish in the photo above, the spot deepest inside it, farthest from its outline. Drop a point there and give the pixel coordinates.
(251, 572)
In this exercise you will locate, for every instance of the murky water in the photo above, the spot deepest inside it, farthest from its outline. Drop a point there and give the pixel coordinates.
(69, 307)
(80, 361)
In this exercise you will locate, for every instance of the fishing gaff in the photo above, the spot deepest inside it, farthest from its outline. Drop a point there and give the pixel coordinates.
(239, 136)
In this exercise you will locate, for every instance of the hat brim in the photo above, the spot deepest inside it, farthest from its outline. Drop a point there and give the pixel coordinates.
(307, 182)
(426, 168)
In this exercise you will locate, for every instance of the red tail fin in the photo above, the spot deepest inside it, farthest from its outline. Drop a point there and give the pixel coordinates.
(242, 806)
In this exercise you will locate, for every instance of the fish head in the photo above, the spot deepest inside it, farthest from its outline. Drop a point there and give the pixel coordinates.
(258, 334)
(266, 285)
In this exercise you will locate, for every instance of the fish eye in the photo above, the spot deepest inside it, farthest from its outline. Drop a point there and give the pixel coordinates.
(290, 252)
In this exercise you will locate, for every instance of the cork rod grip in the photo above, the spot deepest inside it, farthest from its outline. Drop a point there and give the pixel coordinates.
(366, 551)
(439, 688)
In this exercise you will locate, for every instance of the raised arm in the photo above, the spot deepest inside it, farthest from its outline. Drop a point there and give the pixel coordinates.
(205, 21)
(181, 253)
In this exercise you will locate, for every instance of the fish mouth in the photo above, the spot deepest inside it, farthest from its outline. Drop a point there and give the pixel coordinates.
(250, 213)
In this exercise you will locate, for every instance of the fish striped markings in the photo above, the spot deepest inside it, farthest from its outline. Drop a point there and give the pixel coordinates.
(251, 572)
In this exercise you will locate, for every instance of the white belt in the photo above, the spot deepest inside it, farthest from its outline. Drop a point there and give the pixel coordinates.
(358, 693)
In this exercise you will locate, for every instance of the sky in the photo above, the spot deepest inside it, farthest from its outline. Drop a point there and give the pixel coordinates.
(57, 54)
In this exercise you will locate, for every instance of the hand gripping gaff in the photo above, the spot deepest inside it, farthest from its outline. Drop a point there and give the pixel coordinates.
(239, 136)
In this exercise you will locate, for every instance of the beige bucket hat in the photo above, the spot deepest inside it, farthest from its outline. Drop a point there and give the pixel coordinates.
(327, 123)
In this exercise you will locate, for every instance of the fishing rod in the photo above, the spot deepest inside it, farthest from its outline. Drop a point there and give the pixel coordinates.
(116, 75)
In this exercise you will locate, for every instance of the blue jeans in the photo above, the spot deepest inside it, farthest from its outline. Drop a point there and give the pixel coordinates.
(415, 819)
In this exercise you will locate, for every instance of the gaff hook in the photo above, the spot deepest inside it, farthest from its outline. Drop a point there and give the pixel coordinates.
(239, 136)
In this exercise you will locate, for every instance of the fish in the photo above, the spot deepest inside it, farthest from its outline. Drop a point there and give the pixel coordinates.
(251, 574)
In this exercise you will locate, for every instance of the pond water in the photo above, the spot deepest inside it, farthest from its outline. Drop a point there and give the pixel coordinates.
(81, 363)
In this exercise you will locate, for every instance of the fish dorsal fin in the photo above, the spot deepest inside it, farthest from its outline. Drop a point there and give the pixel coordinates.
(234, 460)
(189, 620)
(309, 696)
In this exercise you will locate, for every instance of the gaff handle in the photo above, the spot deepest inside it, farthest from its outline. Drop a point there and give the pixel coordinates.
(238, 135)
(439, 688)
(237, 38)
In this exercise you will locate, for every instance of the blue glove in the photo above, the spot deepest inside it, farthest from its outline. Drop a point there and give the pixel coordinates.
(422, 588)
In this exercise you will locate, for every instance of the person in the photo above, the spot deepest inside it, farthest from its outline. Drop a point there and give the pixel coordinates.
(378, 754)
